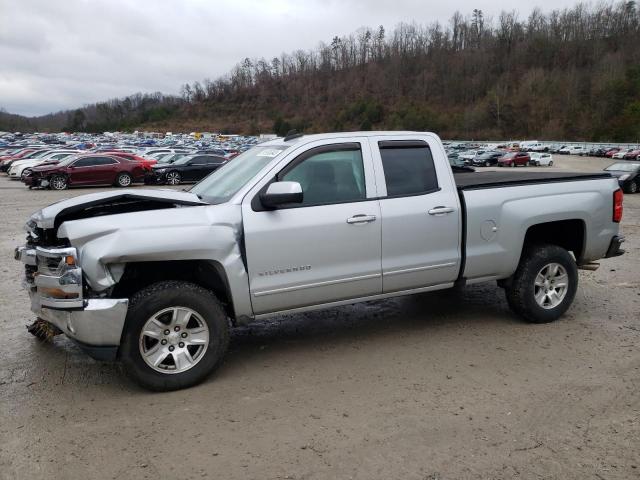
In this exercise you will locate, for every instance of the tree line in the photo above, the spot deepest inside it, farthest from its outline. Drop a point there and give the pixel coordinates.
(567, 74)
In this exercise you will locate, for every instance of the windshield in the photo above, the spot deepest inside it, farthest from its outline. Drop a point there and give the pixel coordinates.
(624, 167)
(227, 180)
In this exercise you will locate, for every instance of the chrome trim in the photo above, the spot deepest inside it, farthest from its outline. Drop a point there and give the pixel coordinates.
(100, 323)
(26, 255)
(316, 284)
(420, 269)
(350, 301)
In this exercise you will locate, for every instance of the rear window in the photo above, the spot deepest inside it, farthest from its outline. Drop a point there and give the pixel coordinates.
(408, 168)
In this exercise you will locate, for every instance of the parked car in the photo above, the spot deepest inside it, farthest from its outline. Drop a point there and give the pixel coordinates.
(96, 169)
(628, 175)
(513, 159)
(572, 150)
(541, 159)
(133, 157)
(487, 159)
(327, 220)
(620, 154)
(611, 152)
(190, 168)
(21, 167)
(632, 154)
(556, 147)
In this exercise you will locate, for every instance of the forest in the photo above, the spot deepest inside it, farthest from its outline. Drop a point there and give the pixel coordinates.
(571, 74)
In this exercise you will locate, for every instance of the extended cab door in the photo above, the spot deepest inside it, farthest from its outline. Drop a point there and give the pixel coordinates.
(325, 249)
(420, 212)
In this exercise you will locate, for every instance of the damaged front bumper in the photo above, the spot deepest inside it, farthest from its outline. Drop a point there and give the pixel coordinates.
(54, 281)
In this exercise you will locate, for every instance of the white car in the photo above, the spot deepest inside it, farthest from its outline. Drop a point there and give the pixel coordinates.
(572, 150)
(20, 167)
(542, 159)
(620, 155)
(469, 155)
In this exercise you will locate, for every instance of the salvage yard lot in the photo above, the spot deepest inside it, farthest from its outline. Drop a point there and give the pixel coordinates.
(444, 385)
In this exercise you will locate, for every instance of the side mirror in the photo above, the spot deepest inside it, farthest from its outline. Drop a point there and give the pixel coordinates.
(280, 193)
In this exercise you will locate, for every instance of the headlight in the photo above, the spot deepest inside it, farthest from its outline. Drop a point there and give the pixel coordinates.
(624, 177)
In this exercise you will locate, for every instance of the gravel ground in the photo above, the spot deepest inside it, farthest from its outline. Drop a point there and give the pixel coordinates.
(434, 386)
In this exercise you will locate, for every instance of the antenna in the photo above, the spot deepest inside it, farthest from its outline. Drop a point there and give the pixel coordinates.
(291, 134)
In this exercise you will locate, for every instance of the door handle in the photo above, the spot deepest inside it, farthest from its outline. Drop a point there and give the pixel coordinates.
(441, 210)
(360, 219)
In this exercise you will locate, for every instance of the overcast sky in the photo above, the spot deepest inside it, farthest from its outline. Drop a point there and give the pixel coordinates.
(62, 54)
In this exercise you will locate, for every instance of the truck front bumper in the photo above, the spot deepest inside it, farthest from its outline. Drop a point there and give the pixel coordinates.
(54, 282)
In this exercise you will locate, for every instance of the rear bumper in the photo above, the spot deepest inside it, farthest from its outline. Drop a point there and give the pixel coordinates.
(615, 249)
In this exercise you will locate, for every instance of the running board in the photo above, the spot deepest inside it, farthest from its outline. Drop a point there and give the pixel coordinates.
(593, 266)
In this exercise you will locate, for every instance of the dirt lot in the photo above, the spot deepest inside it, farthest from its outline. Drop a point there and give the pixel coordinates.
(435, 386)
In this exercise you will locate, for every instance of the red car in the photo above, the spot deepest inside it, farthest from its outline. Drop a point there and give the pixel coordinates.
(85, 170)
(514, 159)
(611, 152)
(632, 155)
(133, 157)
(7, 160)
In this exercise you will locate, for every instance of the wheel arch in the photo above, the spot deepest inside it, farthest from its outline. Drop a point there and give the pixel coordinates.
(569, 234)
(209, 274)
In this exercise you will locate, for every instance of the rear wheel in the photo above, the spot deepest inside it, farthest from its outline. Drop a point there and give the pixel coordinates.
(58, 182)
(173, 178)
(632, 187)
(176, 334)
(487, 164)
(124, 180)
(551, 163)
(544, 284)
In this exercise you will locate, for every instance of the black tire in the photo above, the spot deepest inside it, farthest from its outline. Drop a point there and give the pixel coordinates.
(124, 180)
(155, 298)
(632, 187)
(487, 164)
(550, 163)
(58, 182)
(520, 289)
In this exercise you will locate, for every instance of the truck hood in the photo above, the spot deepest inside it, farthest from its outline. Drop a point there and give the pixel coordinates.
(110, 203)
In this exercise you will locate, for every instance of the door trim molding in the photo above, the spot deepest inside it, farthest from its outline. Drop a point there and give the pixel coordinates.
(420, 269)
(315, 284)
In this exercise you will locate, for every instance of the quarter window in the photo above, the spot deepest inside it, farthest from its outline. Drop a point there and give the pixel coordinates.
(329, 176)
(408, 168)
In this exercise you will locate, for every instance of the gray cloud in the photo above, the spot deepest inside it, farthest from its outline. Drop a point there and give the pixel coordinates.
(58, 55)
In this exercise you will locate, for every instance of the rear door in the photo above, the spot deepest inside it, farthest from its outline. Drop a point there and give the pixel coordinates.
(326, 249)
(420, 213)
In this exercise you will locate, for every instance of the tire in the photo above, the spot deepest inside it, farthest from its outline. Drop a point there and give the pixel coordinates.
(512, 164)
(58, 182)
(550, 163)
(201, 314)
(124, 180)
(487, 164)
(632, 187)
(173, 178)
(527, 163)
(525, 291)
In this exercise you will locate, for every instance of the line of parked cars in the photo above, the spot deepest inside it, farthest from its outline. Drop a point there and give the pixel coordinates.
(493, 157)
(57, 165)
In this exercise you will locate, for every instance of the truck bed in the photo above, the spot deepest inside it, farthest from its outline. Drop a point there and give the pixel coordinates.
(511, 177)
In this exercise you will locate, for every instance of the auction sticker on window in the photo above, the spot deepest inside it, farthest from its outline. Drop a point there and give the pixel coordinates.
(269, 152)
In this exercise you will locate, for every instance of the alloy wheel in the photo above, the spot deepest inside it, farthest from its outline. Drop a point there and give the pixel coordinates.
(174, 340)
(551, 285)
(173, 178)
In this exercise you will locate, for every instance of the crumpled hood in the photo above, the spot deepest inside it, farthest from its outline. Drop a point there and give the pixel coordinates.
(111, 202)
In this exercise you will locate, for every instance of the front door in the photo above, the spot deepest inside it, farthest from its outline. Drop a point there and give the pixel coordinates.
(420, 212)
(325, 249)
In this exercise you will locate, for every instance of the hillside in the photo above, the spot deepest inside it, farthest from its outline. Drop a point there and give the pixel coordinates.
(572, 74)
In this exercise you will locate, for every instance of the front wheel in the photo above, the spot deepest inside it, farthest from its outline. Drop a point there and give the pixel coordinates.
(512, 164)
(58, 182)
(551, 163)
(487, 164)
(176, 334)
(544, 284)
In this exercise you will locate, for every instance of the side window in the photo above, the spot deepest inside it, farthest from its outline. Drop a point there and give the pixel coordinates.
(199, 160)
(408, 168)
(86, 162)
(329, 176)
(104, 161)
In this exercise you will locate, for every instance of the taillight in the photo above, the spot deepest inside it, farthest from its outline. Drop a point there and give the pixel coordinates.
(617, 206)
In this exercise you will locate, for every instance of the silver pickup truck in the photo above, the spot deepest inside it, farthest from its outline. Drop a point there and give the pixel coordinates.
(156, 278)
